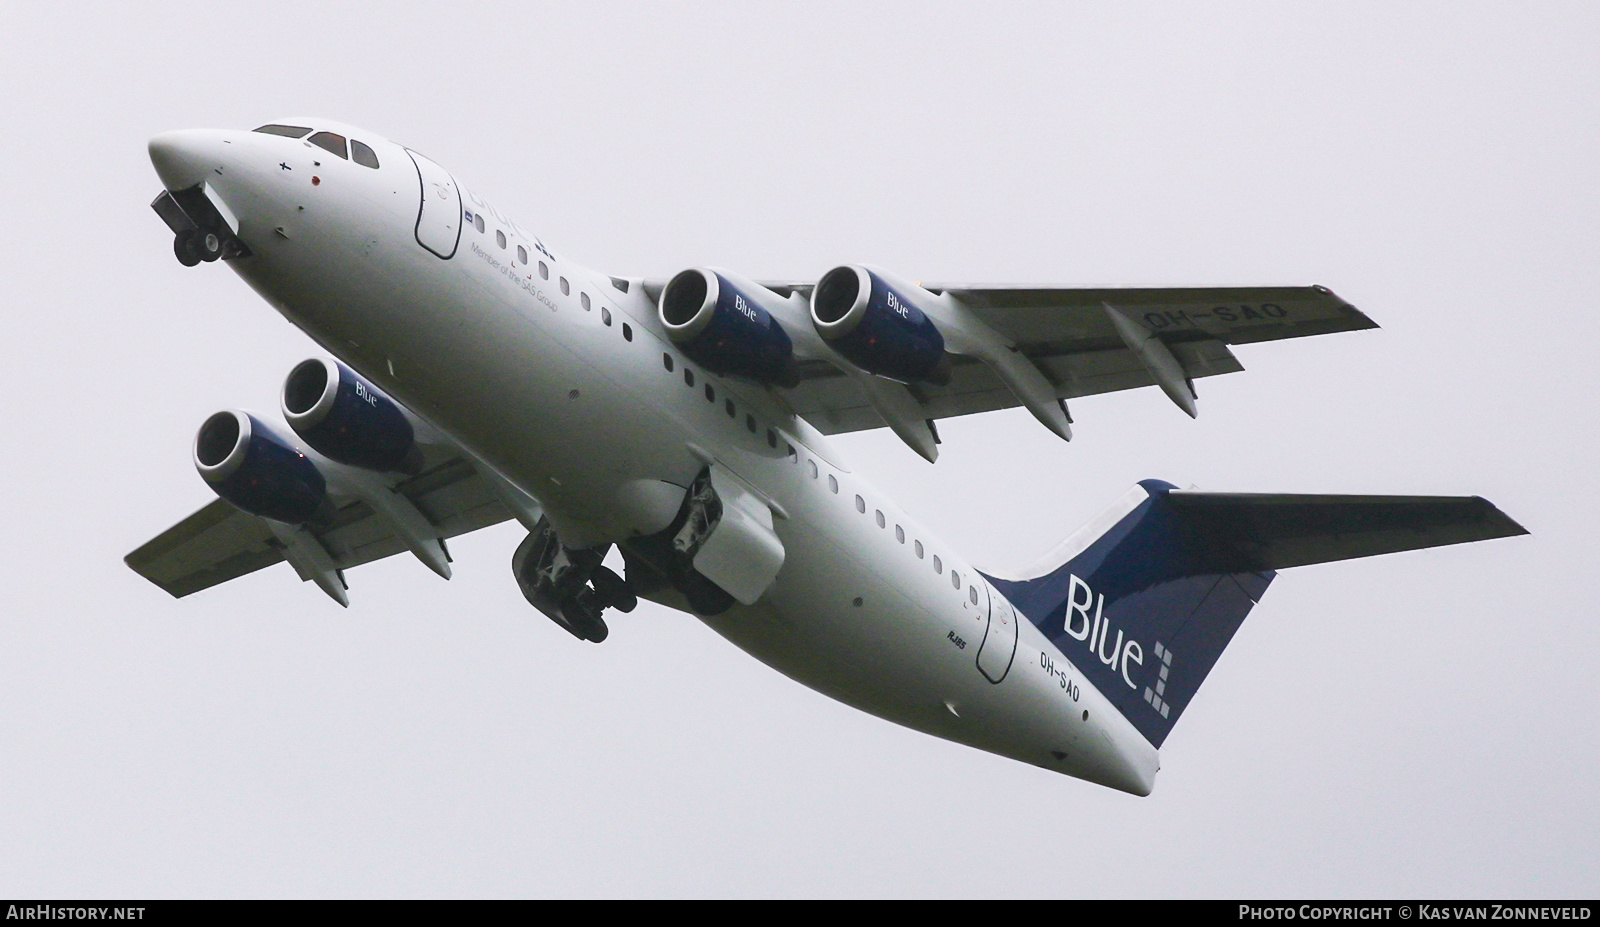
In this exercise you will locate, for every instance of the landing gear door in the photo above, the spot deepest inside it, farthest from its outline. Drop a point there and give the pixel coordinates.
(439, 216)
(741, 554)
(999, 638)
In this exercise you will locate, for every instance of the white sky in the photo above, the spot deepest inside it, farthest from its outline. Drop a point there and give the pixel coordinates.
(1422, 724)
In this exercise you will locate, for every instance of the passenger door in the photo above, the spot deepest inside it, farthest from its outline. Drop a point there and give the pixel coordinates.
(439, 216)
(1000, 635)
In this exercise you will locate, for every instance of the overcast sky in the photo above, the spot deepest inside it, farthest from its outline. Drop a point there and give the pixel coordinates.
(1420, 724)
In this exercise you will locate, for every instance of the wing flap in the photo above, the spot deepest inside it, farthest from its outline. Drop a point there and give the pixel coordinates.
(212, 546)
(219, 542)
(1067, 334)
(1233, 315)
(831, 403)
(1071, 317)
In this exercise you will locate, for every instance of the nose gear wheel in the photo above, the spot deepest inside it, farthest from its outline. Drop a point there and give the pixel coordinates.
(183, 247)
(208, 245)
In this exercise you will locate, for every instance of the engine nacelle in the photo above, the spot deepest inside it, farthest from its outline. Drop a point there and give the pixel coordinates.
(726, 330)
(248, 464)
(877, 328)
(348, 419)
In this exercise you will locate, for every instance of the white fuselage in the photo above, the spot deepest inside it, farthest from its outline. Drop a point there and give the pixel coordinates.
(524, 372)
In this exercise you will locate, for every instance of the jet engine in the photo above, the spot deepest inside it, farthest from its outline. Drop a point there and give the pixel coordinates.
(877, 328)
(349, 420)
(725, 329)
(259, 471)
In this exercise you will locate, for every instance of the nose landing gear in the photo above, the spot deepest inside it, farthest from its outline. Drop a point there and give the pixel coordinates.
(207, 244)
(195, 245)
(200, 232)
(183, 247)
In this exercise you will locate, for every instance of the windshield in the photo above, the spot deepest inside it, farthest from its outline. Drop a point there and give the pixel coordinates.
(286, 131)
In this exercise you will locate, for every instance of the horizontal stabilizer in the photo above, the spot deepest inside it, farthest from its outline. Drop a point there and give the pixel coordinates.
(1274, 531)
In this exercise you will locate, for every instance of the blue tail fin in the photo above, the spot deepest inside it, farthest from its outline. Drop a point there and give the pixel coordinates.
(1144, 599)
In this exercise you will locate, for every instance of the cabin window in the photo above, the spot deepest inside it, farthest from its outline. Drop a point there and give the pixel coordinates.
(544, 272)
(605, 316)
(955, 579)
(711, 394)
(285, 131)
(666, 361)
(688, 376)
(750, 422)
(919, 549)
(627, 332)
(522, 258)
(972, 593)
(861, 505)
(813, 465)
(899, 534)
(477, 222)
(500, 238)
(879, 514)
(565, 290)
(584, 298)
(329, 142)
(794, 455)
(938, 567)
(732, 411)
(363, 155)
(833, 483)
(772, 439)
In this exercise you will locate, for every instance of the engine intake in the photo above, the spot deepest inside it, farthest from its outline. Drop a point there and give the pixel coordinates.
(877, 328)
(249, 465)
(348, 419)
(726, 330)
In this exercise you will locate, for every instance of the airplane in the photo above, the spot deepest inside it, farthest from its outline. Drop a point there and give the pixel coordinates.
(473, 376)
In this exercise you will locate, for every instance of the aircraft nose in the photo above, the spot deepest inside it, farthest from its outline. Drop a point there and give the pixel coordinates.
(183, 158)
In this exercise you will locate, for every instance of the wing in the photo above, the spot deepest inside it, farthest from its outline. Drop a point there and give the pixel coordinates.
(219, 542)
(1070, 337)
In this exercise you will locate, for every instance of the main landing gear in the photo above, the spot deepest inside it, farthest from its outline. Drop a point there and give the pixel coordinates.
(665, 560)
(571, 587)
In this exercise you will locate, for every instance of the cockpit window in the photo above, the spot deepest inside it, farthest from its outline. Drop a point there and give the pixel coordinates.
(285, 131)
(363, 155)
(333, 143)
